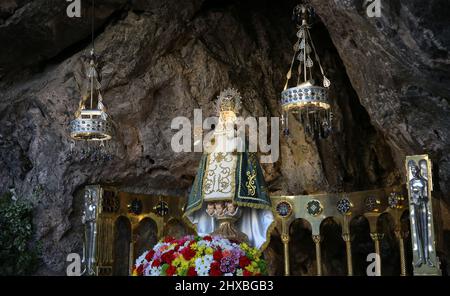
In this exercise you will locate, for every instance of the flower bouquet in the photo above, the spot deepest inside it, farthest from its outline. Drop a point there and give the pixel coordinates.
(200, 256)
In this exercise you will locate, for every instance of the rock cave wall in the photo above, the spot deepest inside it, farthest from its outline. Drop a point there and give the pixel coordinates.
(161, 59)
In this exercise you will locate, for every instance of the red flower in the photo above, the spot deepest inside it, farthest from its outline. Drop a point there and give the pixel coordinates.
(207, 238)
(244, 261)
(217, 255)
(168, 239)
(226, 253)
(215, 272)
(188, 253)
(247, 273)
(140, 269)
(168, 257)
(191, 272)
(149, 255)
(215, 269)
(171, 270)
(156, 263)
(182, 241)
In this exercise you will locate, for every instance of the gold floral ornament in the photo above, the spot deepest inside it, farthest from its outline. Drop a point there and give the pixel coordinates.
(251, 174)
(251, 187)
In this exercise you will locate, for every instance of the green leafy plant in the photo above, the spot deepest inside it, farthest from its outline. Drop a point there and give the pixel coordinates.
(17, 255)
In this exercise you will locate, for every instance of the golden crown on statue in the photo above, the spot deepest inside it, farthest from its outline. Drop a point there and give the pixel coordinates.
(229, 100)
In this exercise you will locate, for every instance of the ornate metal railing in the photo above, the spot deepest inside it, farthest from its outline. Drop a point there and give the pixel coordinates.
(103, 208)
(342, 207)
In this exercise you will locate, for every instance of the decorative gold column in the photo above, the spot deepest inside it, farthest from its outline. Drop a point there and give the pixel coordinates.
(283, 210)
(377, 237)
(105, 234)
(317, 239)
(400, 236)
(348, 247)
(130, 259)
(285, 240)
(396, 203)
(348, 241)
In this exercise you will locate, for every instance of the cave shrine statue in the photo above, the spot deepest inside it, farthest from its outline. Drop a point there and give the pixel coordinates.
(229, 196)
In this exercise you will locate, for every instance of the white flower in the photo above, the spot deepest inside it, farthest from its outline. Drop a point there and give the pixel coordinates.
(203, 264)
(158, 245)
(161, 244)
(155, 271)
(142, 259)
(228, 274)
(204, 243)
(239, 272)
(208, 259)
(147, 269)
(221, 243)
(202, 270)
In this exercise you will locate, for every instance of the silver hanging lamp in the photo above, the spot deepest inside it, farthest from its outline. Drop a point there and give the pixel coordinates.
(91, 122)
(306, 99)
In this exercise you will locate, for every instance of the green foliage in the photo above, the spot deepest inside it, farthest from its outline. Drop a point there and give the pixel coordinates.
(17, 256)
(164, 268)
(262, 266)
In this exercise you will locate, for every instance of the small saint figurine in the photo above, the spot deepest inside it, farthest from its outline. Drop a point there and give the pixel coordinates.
(220, 208)
(231, 209)
(210, 209)
(418, 186)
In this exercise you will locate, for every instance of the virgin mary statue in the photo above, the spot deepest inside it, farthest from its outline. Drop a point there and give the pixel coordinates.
(229, 196)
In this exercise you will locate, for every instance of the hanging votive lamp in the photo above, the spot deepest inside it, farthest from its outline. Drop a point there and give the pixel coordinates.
(306, 100)
(91, 121)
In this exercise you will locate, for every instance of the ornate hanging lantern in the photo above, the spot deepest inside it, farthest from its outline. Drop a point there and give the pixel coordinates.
(306, 99)
(91, 121)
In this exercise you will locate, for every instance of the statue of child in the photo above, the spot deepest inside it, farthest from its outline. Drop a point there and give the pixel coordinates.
(210, 209)
(220, 209)
(231, 208)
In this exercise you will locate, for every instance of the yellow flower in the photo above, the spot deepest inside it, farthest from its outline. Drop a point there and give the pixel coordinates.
(244, 246)
(197, 255)
(176, 262)
(209, 251)
(250, 268)
(201, 249)
(180, 270)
